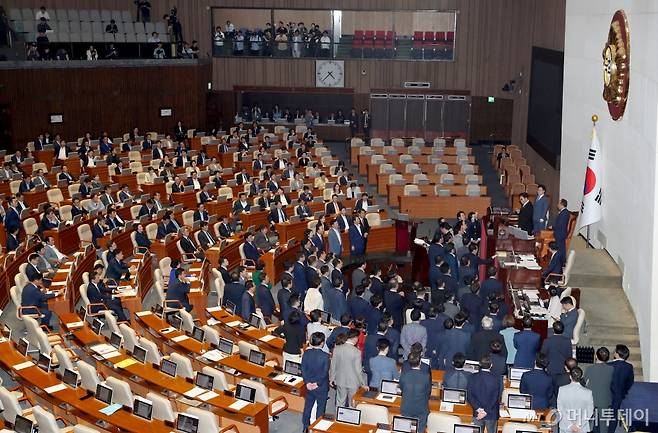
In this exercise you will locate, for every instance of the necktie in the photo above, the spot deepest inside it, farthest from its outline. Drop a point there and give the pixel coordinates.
(281, 217)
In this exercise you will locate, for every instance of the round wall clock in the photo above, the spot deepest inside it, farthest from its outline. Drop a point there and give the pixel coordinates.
(617, 65)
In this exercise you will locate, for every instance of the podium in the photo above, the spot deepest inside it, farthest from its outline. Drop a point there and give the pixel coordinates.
(34, 198)
(187, 199)
(288, 230)
(274, 260)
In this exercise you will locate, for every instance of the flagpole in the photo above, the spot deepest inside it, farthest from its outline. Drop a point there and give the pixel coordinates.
(595, 119)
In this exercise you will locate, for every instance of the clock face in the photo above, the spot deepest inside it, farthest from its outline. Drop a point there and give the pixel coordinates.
(329, 73)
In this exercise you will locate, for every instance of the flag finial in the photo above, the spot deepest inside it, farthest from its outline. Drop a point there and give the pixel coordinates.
(595, 119)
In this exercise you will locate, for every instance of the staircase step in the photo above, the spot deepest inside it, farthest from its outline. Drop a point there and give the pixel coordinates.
(590, 280)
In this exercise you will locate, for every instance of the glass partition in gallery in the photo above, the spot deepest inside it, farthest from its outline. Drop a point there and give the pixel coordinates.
(344, 34)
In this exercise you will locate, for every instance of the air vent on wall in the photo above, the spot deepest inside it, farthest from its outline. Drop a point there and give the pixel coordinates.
(416, 85)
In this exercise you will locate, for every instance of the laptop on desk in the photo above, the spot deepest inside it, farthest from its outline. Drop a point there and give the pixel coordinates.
(514, 375)
(519, 406)
(389, 391)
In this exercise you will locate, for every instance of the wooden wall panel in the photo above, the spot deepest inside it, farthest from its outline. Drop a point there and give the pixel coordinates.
(112, 98)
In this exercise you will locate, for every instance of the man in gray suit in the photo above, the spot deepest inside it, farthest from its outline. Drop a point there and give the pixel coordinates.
(52, 254)
(335, 241)
(598, 378)
(540, 210)
(359, 274)
(346, 372)
(575, 405)
(569, 316)
(413, 332)
(262, 240)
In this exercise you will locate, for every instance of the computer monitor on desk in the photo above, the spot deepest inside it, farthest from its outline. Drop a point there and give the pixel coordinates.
(225, 346)
(143, 408)
(104, 393)
(204, 381)
(471, 366)
(245, 393)
(454, 395)
(403, 424)
(348, 416)
(187, 423)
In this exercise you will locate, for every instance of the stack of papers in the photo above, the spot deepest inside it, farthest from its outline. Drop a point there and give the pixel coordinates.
(266, 338)
(238, 404)
(323, 425)
(53, 389)
(125, 363)
(75, 325)
(143, 313)
(213, 355)
(194, 392)
(234, 323)
(102, 349)
(109, 410)
(208, 395)
(23, 365)
(213, 309)
(447, 407)
(180, 338)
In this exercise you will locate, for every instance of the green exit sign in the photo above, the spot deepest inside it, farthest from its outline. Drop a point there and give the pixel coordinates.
(491, 99)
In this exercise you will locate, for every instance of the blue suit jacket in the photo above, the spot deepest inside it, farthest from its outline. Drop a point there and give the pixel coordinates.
(456, 378)
(12, 219)
(435, 332)
(539, 384)
(416, 386)
(358, 307)
(527, 345)
(265, 300)
(539, 211)
(394, 304)
(248, 305)
(233, 292)
(382, 368)
(454, 266)
(315, 367)
(373, 317)
(318, 242)
(490, 286)
(337, 304)
(622, 380)
(435, 250)
(33, 296)
(116, 270)
(555, 265)
(357, 241)
(454, 340)
(299, 279)
(251, 252)
(434, 275)
(561, 226)
(178, 291)
(12, 243)
(484, 390)
(557, 348)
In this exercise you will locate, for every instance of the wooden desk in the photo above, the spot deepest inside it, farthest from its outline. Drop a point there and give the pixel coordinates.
(381, 179)
(274, 263)
(338, 427)
(423, 160)
(129, 179)
(354, 151)
(82, 407)
(434, 206)
(288, 230)
(252, 418)
(393, 192)
(34, 198)
(381, 240)
(66, 239)
(294, 395)
(101, 171)
(187, 199)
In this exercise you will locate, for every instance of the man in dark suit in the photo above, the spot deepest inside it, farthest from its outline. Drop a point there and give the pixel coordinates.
(179, 289)
(12, 239)
(147, 209)
(241, 204)
(315, 372)
(224, 228)
(206, 239)
(300, 282)
(622, 380)
(363, 203)
(357, 239)
(598, 378)
(26, 184)
(201, 214)
(250, 250)
(357, 305)
(116, 268)
(85, 188)
(435, 330)
(483, 394)
(99, 230)
(527, 344)
(556, 261)
(165, 227)
(12, 215)
(557, 349)
(455, 340)
(394, 303)
(561, 228)
(283, 297)
(264, 298)
(334, 206)
(481, 340)
(525, 213)
(456, 377)
(32, 296)
(491, 285)
(233, 292)
(99, 293)
(157, 152)
(248, 301)
(65, 175)
(538, 383)
(191, 251)
(141, 238)
(277, 214)
(416, 387)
